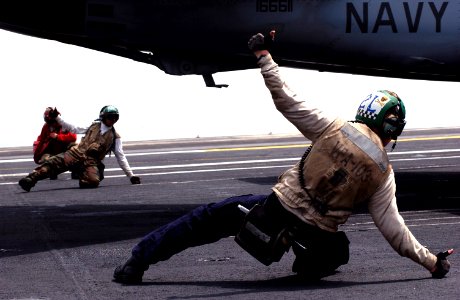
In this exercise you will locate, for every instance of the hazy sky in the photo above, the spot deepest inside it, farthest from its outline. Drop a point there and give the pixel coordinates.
(36, 73)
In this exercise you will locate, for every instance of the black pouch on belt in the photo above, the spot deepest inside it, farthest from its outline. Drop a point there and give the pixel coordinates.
(263, 237)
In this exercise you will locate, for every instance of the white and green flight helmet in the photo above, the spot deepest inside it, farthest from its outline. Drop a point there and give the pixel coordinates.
(109, 111)
(374, 112)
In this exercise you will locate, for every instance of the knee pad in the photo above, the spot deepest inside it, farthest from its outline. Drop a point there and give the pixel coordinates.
(322, 255)
(90, 177)
(88, 185)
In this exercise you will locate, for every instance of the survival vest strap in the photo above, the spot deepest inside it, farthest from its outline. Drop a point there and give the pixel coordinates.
(321, 207)
(112, 146)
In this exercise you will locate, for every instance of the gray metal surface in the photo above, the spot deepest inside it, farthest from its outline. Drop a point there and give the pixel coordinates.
(60, 242)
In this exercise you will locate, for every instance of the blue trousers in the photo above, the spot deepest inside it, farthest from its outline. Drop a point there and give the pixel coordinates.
(203, 225)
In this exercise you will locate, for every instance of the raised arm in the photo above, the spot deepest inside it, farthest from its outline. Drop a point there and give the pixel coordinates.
(308, 119)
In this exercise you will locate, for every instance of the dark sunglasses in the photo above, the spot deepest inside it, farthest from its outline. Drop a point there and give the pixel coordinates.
(112, 117)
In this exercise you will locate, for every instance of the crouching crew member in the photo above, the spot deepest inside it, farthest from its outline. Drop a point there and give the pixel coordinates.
(52, 139)
(346, 165)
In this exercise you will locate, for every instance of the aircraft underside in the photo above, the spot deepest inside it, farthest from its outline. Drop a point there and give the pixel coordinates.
(407, 39)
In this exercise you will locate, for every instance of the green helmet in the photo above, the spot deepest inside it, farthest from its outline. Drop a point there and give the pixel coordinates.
(375, 109)
(109, 111)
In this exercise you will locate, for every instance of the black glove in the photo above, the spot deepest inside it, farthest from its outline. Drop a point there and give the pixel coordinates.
(54, 113)
(442, 264)
(259, 42)
(135, 180)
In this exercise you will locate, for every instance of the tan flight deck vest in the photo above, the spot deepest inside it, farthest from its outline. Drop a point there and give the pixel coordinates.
(96, 143)
(345, 167)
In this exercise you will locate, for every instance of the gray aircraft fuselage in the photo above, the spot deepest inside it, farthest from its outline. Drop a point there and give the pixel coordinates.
(407, 39)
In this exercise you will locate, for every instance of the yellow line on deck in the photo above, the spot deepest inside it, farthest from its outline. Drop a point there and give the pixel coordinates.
(307, 145)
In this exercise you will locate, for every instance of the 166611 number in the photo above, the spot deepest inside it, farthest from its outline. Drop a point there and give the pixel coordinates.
(274, 5)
